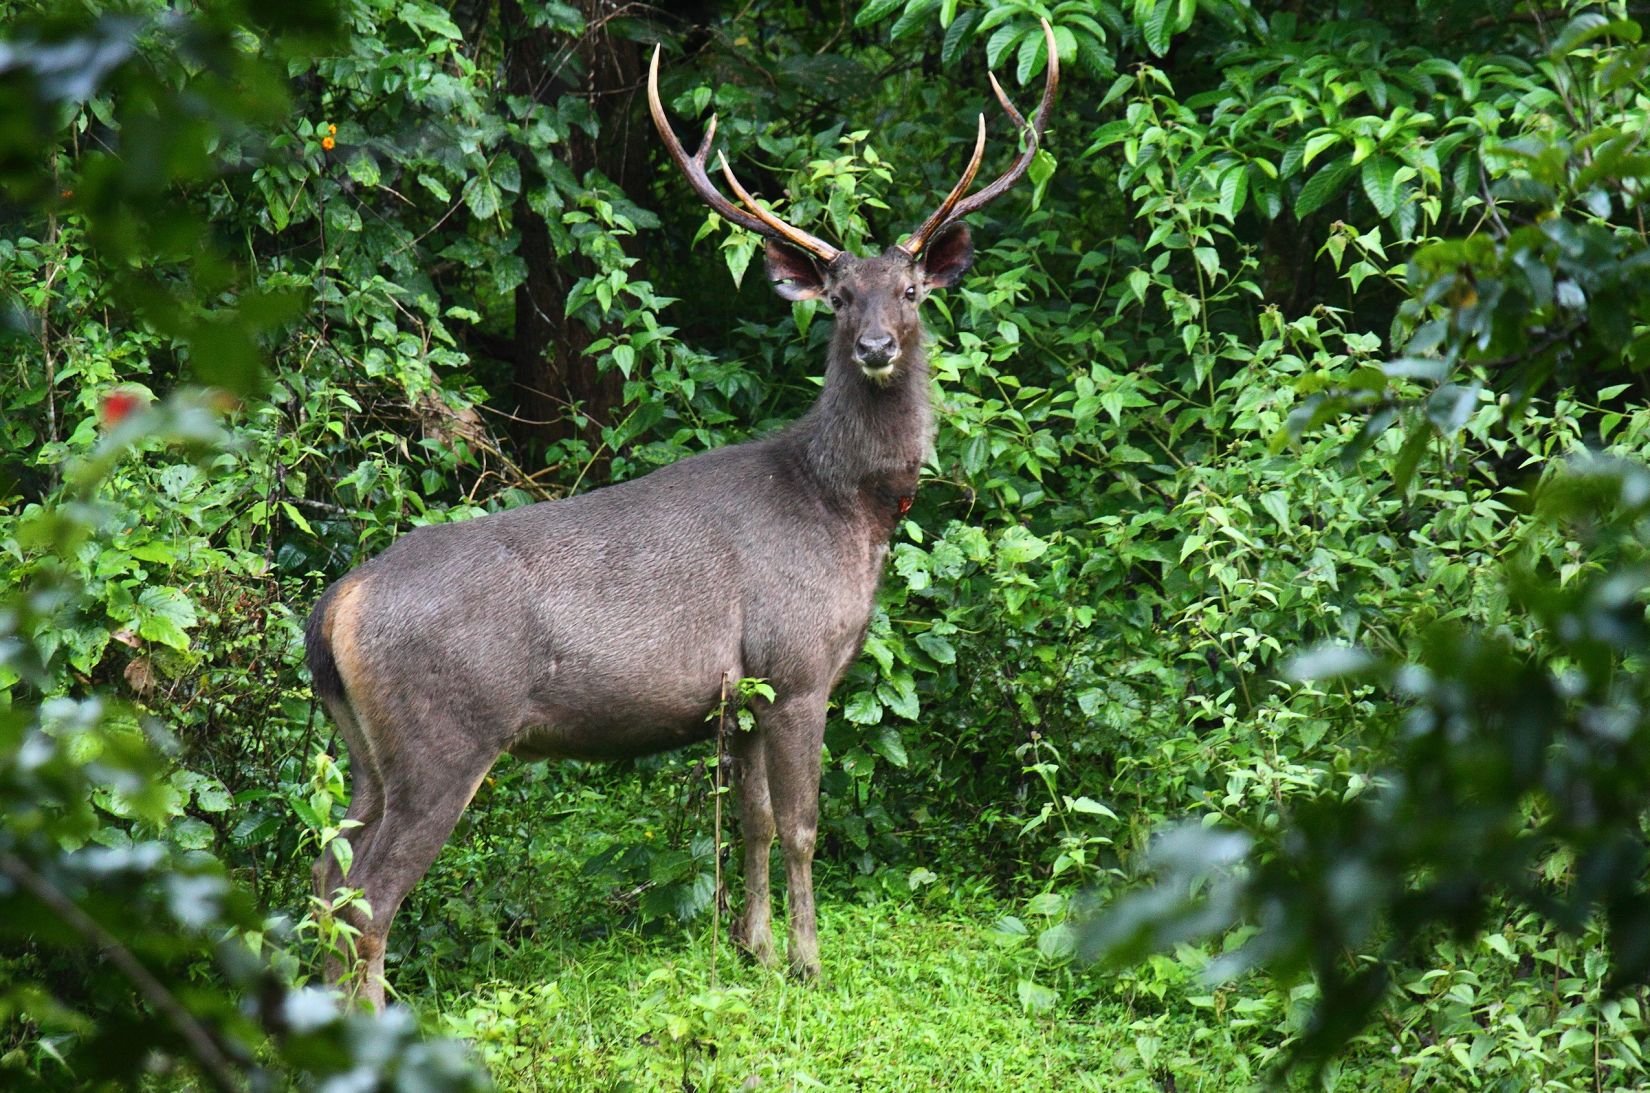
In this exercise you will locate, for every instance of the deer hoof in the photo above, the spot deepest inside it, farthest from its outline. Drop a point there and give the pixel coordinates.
(805, 971)
(761, 954)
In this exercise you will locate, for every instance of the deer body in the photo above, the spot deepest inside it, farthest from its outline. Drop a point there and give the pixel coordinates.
(601, 626)
(605, 626)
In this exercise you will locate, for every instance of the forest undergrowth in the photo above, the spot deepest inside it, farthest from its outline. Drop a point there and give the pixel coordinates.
(1257, 687)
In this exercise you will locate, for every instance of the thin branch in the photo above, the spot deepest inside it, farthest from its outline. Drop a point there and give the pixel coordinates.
(214, 1064)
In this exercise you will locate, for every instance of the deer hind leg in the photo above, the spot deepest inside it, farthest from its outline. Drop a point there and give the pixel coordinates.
(426, 784)
(793, 731)
(756, 824)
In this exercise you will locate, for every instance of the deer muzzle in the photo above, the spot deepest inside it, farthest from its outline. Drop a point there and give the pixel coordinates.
(875, 354)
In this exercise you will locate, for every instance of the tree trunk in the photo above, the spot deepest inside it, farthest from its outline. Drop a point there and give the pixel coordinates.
(553, 375)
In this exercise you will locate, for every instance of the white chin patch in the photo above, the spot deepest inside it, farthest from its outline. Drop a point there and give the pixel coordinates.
(881, 373)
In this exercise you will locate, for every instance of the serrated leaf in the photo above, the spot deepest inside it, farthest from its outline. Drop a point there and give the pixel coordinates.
(1018, 546)
(431, 18)
(863, 709)
(937, 647)
(1234, 190)
(901, 697)
(1379, 175)
(875, 10)
(886, 742)
(1156, 29)
(1057, 943)
(998, 45)
(164, 614)
(482, 197)
(1032, 50)
(1089, 806)
(957, 35)
(1323, 187)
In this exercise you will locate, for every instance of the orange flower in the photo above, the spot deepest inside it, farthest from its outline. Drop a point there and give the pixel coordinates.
(328, 143)
(332, 130)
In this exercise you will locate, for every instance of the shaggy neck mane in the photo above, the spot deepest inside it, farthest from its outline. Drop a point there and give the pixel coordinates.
(861, 434)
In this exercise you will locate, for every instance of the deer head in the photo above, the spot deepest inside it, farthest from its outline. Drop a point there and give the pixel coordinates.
(875, 299)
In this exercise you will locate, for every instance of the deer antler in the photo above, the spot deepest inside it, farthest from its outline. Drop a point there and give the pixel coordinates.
(954, 207)
(758, 219)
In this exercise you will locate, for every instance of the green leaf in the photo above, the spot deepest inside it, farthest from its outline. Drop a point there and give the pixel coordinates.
(886, 742)
(901, 697)
(431, 18)
(875, 10)
(937, 647)
(363, 169)
(1315, 144)
(1380, 178)
(1323, 187)
(957, 35)
(997, 46)
(296, 517)
(1156, 29)
(1035, 997)
(1057, 943)
(163, 615)
(863, 709)
(1033, 49)
(1276, 504)
(1234, 190)
(1018, 546)
(482, 197)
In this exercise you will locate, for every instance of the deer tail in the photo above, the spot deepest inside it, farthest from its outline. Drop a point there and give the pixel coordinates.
(323, 669)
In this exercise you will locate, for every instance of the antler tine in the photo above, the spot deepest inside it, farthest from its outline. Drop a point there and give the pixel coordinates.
(919, 238)
(1033, 137)
(763, 222)
(789, 232)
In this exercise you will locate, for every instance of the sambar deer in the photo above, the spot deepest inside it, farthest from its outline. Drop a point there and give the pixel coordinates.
(603, 626)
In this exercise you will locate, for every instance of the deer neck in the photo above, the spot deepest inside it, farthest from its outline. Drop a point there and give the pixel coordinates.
(864, 442)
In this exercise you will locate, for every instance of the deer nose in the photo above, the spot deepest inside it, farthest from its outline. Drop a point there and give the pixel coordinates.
(875, 350)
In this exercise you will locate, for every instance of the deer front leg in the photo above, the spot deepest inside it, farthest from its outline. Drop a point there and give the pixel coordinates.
(793, 732)
(756, 828)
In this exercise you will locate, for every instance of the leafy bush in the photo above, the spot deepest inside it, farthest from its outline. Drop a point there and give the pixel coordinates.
(1311, 334)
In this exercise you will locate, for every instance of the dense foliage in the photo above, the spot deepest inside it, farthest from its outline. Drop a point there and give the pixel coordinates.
(1284, 537)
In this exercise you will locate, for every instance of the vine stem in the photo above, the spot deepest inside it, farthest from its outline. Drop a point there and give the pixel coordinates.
(215, 1065)
(716, 837)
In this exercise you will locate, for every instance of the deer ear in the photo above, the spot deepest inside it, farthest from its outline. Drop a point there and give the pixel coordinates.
(794, 273)
(948, 257)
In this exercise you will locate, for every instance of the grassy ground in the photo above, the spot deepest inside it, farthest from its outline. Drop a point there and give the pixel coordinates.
(913, 1000)
(532, 963)
(521, 942)
(512, 944)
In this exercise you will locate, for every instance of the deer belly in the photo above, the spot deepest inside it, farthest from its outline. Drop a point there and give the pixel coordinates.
(621, 702)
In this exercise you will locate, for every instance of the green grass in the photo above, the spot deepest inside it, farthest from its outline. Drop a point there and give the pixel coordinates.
(517, 944)
(509, 943)
(913, 999)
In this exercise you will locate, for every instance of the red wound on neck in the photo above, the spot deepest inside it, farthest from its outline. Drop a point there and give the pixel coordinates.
(905, 504)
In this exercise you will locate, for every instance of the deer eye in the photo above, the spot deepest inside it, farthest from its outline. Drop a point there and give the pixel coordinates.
(836, 302)
(910, 292)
